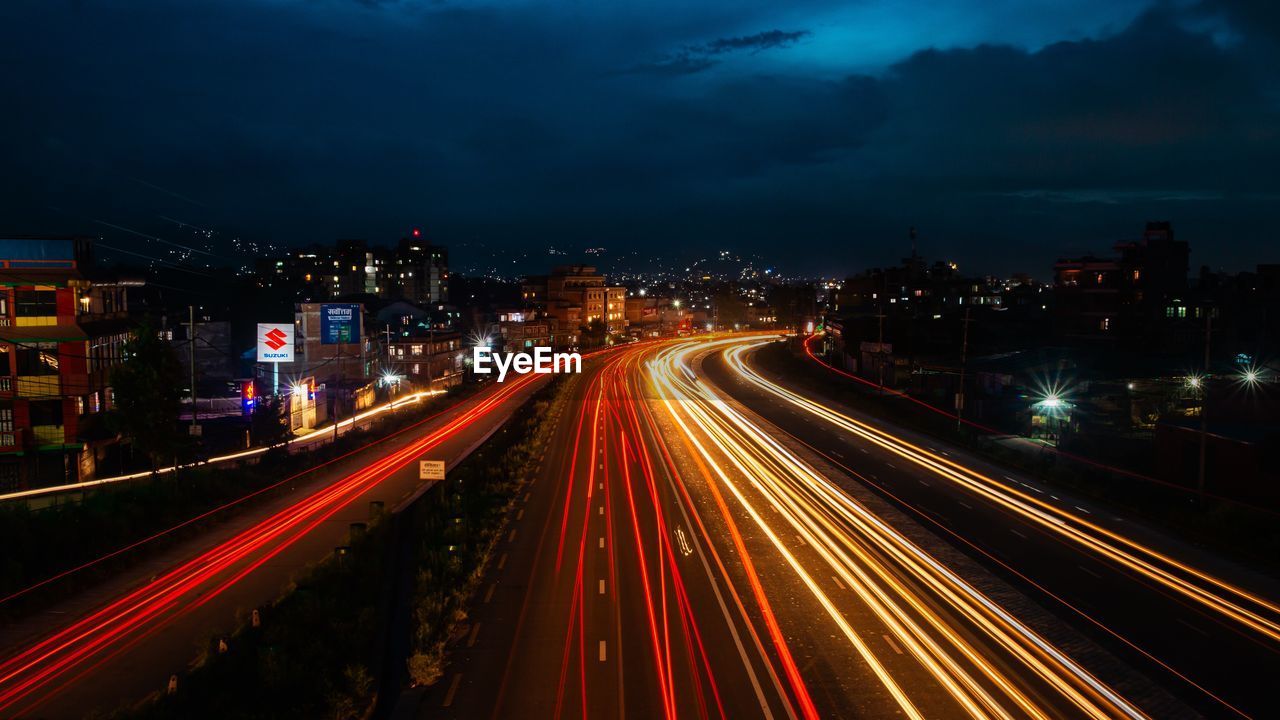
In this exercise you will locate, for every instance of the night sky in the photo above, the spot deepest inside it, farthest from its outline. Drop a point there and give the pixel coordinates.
(814, 133)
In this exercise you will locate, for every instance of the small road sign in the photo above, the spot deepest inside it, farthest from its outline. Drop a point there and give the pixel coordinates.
(430, 469)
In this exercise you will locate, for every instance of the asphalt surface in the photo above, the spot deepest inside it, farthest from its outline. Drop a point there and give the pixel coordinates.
(592, 606)
(121, 641)
(632, 583)
(1156, 632)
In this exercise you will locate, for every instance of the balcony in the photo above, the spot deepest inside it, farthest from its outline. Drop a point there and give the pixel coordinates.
(48, 434)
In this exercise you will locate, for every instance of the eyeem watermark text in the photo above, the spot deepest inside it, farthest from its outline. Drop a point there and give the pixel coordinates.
(541, 362)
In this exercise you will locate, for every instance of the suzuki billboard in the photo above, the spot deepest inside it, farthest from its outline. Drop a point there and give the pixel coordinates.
(275, 342)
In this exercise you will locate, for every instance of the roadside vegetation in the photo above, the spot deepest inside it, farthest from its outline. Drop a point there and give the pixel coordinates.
(43, 542)
(327, 645)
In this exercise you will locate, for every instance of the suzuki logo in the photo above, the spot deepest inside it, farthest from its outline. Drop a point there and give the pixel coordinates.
(275, 339)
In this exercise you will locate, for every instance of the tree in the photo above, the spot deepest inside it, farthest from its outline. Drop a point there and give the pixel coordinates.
(594, 333)
(268, 425)
(147, 391)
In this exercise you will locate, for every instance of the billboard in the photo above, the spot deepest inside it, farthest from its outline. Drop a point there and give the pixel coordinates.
(339, 323)
(275, 342)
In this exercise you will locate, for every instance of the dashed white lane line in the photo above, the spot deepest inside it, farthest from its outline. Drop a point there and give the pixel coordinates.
(1193, 627)
(602, 651)
(601, 510)
(924, 483)
(520, 515)
(964, 505)
(601, 543)
(488, 595)
(836, 580)
(512, 536)
(1015, 532)
(453, 689)
(891, 465)
(892, 644)
(1086, 512)
(863, 451)
(601, 586)
(833, 452)
(1089, 571)
(502, 561)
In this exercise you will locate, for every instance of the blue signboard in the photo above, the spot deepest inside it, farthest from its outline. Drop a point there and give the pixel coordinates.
(339, 324)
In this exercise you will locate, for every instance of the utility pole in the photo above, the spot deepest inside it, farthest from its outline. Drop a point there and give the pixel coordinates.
(337, 392)
(964, 358)
(1204, 402)
(431, 348)
(191, 355)
(880, 350)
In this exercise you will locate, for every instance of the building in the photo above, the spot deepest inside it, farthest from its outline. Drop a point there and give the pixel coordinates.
(324, 361)
(414, 270)
(433, 360)
(1136, 297)
(420, 271)
(63, 328)
(577, 296)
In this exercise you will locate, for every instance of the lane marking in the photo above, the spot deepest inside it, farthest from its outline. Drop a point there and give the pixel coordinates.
(488, 595)
(924, 483)
(891, 465)
(602, 587)
(836, 580)
(453, 688)
(1193, 627)
(512, 536)
(502, 561)
(1086, 512)
(964, 505)
(602, 653)
(863, 451)
(1015, 532)
(602, 543)
(520, 515)
(1089, 571)
(601, 510)
(892, 644)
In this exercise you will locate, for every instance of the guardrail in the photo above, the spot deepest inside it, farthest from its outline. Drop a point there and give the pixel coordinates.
(313, 436)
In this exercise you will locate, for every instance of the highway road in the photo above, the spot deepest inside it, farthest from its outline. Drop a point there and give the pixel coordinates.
(1199, 626)
(121, 642)
(672, 558)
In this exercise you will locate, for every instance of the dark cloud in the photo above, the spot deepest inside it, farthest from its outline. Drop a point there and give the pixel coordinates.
(309, 121)
(696, 58)
(755, 43)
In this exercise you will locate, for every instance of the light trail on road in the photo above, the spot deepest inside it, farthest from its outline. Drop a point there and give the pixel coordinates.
(1226, 600)
(1246, 611)
(36, 672)
(984, 659)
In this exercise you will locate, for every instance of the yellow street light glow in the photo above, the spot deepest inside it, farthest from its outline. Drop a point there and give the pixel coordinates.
(930, 611)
